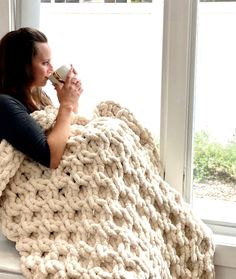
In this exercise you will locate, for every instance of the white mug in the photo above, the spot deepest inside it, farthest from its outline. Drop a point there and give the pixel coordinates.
(59, 75)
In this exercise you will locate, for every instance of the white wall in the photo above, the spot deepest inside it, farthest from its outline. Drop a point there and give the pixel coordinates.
(27, 13)
(4, 17)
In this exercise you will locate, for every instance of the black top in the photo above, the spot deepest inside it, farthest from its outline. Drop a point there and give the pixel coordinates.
(19, 128)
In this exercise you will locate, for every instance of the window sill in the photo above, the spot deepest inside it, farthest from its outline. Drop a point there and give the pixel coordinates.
(224, 228)
(225, 253)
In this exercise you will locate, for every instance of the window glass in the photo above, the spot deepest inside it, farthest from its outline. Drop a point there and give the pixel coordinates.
(117, 51)
(214, 185)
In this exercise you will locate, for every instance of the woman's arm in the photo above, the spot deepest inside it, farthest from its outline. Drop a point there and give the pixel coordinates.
(59, 135)
(22, 131)
(26, 135)
(68, 95)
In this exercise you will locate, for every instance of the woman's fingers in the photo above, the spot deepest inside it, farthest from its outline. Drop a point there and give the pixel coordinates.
(72, 83)
(75, 81)
(69, 76)
(74, 71)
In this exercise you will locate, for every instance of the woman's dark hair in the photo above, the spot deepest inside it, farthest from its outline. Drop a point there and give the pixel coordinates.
(17, 49)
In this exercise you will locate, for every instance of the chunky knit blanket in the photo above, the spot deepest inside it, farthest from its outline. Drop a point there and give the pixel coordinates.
(105, 212)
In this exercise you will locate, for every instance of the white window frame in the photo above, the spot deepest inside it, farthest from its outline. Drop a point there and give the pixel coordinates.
(176, 141)
(179, 52)
(179, 41)
(107, 8)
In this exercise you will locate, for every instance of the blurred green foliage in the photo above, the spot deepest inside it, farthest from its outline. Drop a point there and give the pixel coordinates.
(212, 160)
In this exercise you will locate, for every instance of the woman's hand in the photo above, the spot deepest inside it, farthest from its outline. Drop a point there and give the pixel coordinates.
(68, 93)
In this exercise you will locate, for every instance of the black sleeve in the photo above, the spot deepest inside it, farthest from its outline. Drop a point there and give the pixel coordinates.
(22, 131)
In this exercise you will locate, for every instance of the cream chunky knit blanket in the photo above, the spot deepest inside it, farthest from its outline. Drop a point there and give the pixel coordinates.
(105, 212)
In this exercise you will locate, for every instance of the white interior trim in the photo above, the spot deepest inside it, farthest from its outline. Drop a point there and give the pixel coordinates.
(178, 90)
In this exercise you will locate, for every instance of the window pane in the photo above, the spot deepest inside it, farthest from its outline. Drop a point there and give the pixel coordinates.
(215, 114)
(116, 50)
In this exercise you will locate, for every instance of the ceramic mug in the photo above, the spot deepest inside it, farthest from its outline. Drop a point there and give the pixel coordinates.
(59, 75)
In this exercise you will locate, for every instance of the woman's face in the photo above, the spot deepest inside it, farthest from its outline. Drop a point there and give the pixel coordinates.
(41, 65)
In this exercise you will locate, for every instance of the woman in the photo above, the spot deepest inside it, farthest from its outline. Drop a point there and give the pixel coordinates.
(25, 65)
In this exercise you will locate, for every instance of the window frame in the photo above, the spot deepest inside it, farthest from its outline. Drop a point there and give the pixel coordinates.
(179, 47)
(176, 137)
(178, 95)
(96, 7)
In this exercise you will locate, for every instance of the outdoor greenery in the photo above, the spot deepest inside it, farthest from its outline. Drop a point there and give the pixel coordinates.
(212, 160)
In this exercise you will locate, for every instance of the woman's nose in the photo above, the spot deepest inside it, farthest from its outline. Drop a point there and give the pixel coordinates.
(50, 68)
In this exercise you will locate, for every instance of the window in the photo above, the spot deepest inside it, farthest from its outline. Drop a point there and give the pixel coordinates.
(117, 51)
(184, 72)
(214, 184)
(129, 53)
